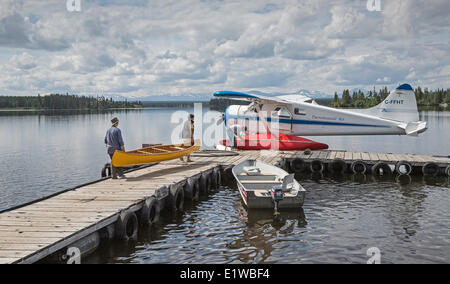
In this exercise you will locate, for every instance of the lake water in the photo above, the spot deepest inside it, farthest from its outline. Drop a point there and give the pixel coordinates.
(339, 222)
(48, 152)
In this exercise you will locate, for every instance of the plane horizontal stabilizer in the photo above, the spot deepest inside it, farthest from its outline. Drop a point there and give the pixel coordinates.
(414, 128)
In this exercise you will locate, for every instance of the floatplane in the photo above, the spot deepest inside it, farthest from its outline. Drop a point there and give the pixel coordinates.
(285, 117)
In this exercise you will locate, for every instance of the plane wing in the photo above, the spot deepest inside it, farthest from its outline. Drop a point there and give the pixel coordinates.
(240, 96)
(296, 99)
(286, 99)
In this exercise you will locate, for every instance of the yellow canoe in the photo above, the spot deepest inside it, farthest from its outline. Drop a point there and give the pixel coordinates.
(153, 154)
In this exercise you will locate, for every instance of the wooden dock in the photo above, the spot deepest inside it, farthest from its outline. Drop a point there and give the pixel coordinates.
(35, 231)
(370, 158)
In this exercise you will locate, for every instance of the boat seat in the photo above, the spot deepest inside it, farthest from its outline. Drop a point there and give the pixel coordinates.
(259, 177)
(162, 150)
(252, 171)
(262, 193)
(178, 148)
(265, 193)
(288, 182)
(262, 175)
(261, 181)
(150, 151)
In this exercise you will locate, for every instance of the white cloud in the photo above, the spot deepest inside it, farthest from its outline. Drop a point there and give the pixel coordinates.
(138, 48)
(348, 22)
(23, 61)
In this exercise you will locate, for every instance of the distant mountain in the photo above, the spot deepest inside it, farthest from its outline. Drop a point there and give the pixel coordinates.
(164, 98)
(207, 97)
(119, 98)
(358, 89)
(303, 92)
(184, 97)
(314, 94)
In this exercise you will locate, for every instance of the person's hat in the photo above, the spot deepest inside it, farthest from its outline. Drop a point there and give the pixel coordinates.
(114, 120)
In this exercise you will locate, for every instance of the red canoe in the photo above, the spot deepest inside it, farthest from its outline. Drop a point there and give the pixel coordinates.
(269, 141)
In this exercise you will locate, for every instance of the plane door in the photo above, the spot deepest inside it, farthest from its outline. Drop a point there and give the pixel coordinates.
(281, 120)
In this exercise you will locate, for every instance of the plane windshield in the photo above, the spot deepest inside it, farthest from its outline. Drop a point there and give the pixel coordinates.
(281, 112)
(299, 111)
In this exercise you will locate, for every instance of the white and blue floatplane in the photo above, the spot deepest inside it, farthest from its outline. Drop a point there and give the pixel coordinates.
(299, 115)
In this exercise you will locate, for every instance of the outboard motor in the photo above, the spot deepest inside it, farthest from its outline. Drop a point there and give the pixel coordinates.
(277, 196)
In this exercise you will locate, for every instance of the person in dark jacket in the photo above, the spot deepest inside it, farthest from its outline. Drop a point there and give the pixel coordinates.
(114, 142)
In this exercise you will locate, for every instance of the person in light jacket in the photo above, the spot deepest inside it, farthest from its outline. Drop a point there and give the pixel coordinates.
(187, 135)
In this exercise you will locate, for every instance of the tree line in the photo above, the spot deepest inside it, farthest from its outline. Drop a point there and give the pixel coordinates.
(359, 99)
(222, 104)
(171, 104)
(58, 101)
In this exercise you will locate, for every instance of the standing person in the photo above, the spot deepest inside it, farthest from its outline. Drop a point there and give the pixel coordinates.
(188, 134)
(114, 142)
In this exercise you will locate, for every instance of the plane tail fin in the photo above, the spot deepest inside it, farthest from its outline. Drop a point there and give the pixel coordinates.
(400, 105)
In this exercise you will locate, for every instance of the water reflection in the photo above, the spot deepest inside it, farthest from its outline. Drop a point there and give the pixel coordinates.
(403, 213)
(403, 179)
(340, 220)
(359, 178)
(255, 216)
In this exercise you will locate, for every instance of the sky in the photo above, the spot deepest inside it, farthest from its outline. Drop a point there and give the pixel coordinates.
(140, 48)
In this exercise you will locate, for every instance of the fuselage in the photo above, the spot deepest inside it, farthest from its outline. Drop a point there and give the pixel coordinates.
(309, 119)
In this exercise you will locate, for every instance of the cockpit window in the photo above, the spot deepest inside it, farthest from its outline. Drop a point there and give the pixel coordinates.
(281, 112)
(284, 112)
(299, 111)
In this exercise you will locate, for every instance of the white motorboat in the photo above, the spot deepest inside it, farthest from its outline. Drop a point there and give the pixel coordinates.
(265, 186)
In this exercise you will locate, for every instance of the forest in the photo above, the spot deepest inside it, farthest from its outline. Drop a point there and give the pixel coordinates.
(359, 99)
(171, 104)
(356, 99)
(221, 104)
(63, 102)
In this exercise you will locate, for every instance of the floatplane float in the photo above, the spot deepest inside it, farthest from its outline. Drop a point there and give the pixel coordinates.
(284, 118)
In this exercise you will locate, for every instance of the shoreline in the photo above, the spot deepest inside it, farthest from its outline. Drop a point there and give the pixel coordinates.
(42, 110)
(93, 110)
(420, 108)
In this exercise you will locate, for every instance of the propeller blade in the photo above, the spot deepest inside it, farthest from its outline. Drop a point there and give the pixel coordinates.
(220, 120)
